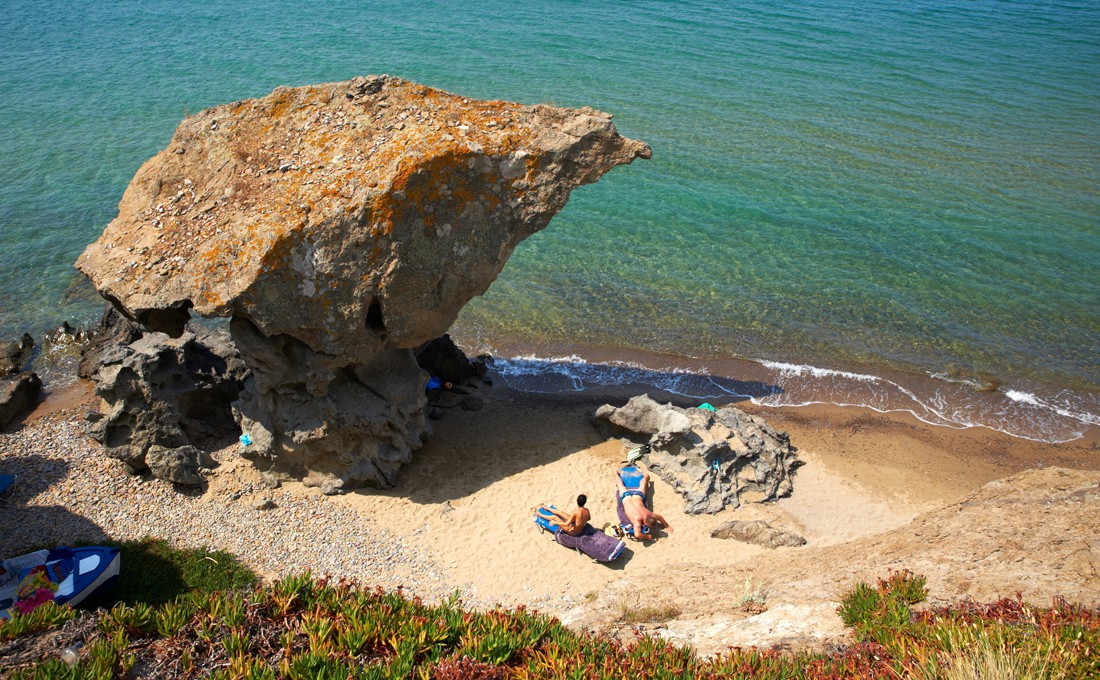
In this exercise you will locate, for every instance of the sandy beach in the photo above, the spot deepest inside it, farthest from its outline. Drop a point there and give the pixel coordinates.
(981, 514)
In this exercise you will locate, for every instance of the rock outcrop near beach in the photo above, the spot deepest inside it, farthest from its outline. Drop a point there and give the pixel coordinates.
(167, 400)
(19, 389)
(714, 459)
(759, 533)
(103, 341)
(14, 355)
(341, 226)
(18, 395)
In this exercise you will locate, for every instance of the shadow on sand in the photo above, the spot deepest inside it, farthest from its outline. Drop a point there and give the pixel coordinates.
(456, 463)
(27, 527)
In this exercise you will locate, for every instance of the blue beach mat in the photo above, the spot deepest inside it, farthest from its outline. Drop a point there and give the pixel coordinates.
(543, 517)
(7, 486)
(631, 476)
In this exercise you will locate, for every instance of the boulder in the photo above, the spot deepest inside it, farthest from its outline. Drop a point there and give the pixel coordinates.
(341, 226)
(166, 398)
(179, 465)
(714, 459)
(758, 532)
(106, 341)
(18, 396)
(444, 360)
(14, 355)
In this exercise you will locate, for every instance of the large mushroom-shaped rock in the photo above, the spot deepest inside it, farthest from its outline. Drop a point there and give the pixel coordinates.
(341, 226)
(713, 458)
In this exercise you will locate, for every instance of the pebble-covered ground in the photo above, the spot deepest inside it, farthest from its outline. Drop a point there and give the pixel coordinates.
(68, 490)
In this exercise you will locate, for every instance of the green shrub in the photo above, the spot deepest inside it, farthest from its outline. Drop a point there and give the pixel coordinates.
(882, 613)
(153, 572)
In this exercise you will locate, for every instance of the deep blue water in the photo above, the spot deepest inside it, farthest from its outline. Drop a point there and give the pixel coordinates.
(877, 202)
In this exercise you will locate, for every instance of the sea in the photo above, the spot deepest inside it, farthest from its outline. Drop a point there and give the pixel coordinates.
(868, 202)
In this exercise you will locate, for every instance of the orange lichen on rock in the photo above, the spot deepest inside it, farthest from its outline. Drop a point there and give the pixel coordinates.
(339, 226)
(299, 208)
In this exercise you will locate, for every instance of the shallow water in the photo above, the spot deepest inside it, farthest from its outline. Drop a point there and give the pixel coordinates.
(864, 198)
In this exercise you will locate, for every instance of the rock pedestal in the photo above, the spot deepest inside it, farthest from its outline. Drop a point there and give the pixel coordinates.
(714, 459)
(341, 226)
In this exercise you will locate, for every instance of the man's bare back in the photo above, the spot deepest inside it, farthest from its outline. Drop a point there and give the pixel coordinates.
(633, 501)
(571, 524)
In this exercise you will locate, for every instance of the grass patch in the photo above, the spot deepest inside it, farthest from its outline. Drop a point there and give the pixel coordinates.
(648, 613)
(153, 572)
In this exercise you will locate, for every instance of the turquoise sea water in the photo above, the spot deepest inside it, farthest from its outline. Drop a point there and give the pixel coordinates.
(883, 203)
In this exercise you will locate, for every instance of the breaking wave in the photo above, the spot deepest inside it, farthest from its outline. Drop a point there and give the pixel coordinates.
(1058, 416)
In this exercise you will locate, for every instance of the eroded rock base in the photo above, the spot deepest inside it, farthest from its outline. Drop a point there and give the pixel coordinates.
(167, 400)
(334, 425)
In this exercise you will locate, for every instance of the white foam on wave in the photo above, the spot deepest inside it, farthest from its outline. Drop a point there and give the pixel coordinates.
(815, 371)
(1023, 397)
(553, 374)
(956, 404)
(1062, 410)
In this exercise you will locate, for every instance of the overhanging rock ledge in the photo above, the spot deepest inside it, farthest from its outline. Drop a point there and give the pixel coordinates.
(340, 226)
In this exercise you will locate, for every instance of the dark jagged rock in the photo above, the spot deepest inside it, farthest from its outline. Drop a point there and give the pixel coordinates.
(106, 341)
(167, 398)
(758, 532)
(18, 396)
(341, 226)
(14, 355)
(64, 337)
(714, 459)
(444, 360)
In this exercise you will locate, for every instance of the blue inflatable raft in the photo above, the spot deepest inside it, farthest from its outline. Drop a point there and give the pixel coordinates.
(65, 575)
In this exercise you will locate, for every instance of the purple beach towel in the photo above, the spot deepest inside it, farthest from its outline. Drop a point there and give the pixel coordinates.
(594, 543)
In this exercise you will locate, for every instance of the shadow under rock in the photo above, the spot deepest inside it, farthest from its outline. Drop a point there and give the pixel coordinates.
(33, 475)
(514, 432)
(521, 431)
(26, 527)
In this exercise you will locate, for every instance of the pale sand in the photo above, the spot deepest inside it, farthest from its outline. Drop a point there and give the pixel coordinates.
(466, 500)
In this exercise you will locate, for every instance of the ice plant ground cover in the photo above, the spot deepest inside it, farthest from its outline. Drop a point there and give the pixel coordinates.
(307, 627)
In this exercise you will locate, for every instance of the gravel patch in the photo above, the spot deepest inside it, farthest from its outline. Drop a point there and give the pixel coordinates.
(69, 490)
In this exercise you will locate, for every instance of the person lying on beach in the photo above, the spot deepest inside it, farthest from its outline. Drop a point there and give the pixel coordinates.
(571, 524)
(641, 517)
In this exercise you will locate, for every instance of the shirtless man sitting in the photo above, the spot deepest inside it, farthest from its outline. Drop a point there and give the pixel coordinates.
(571, 524)
(633, 502)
